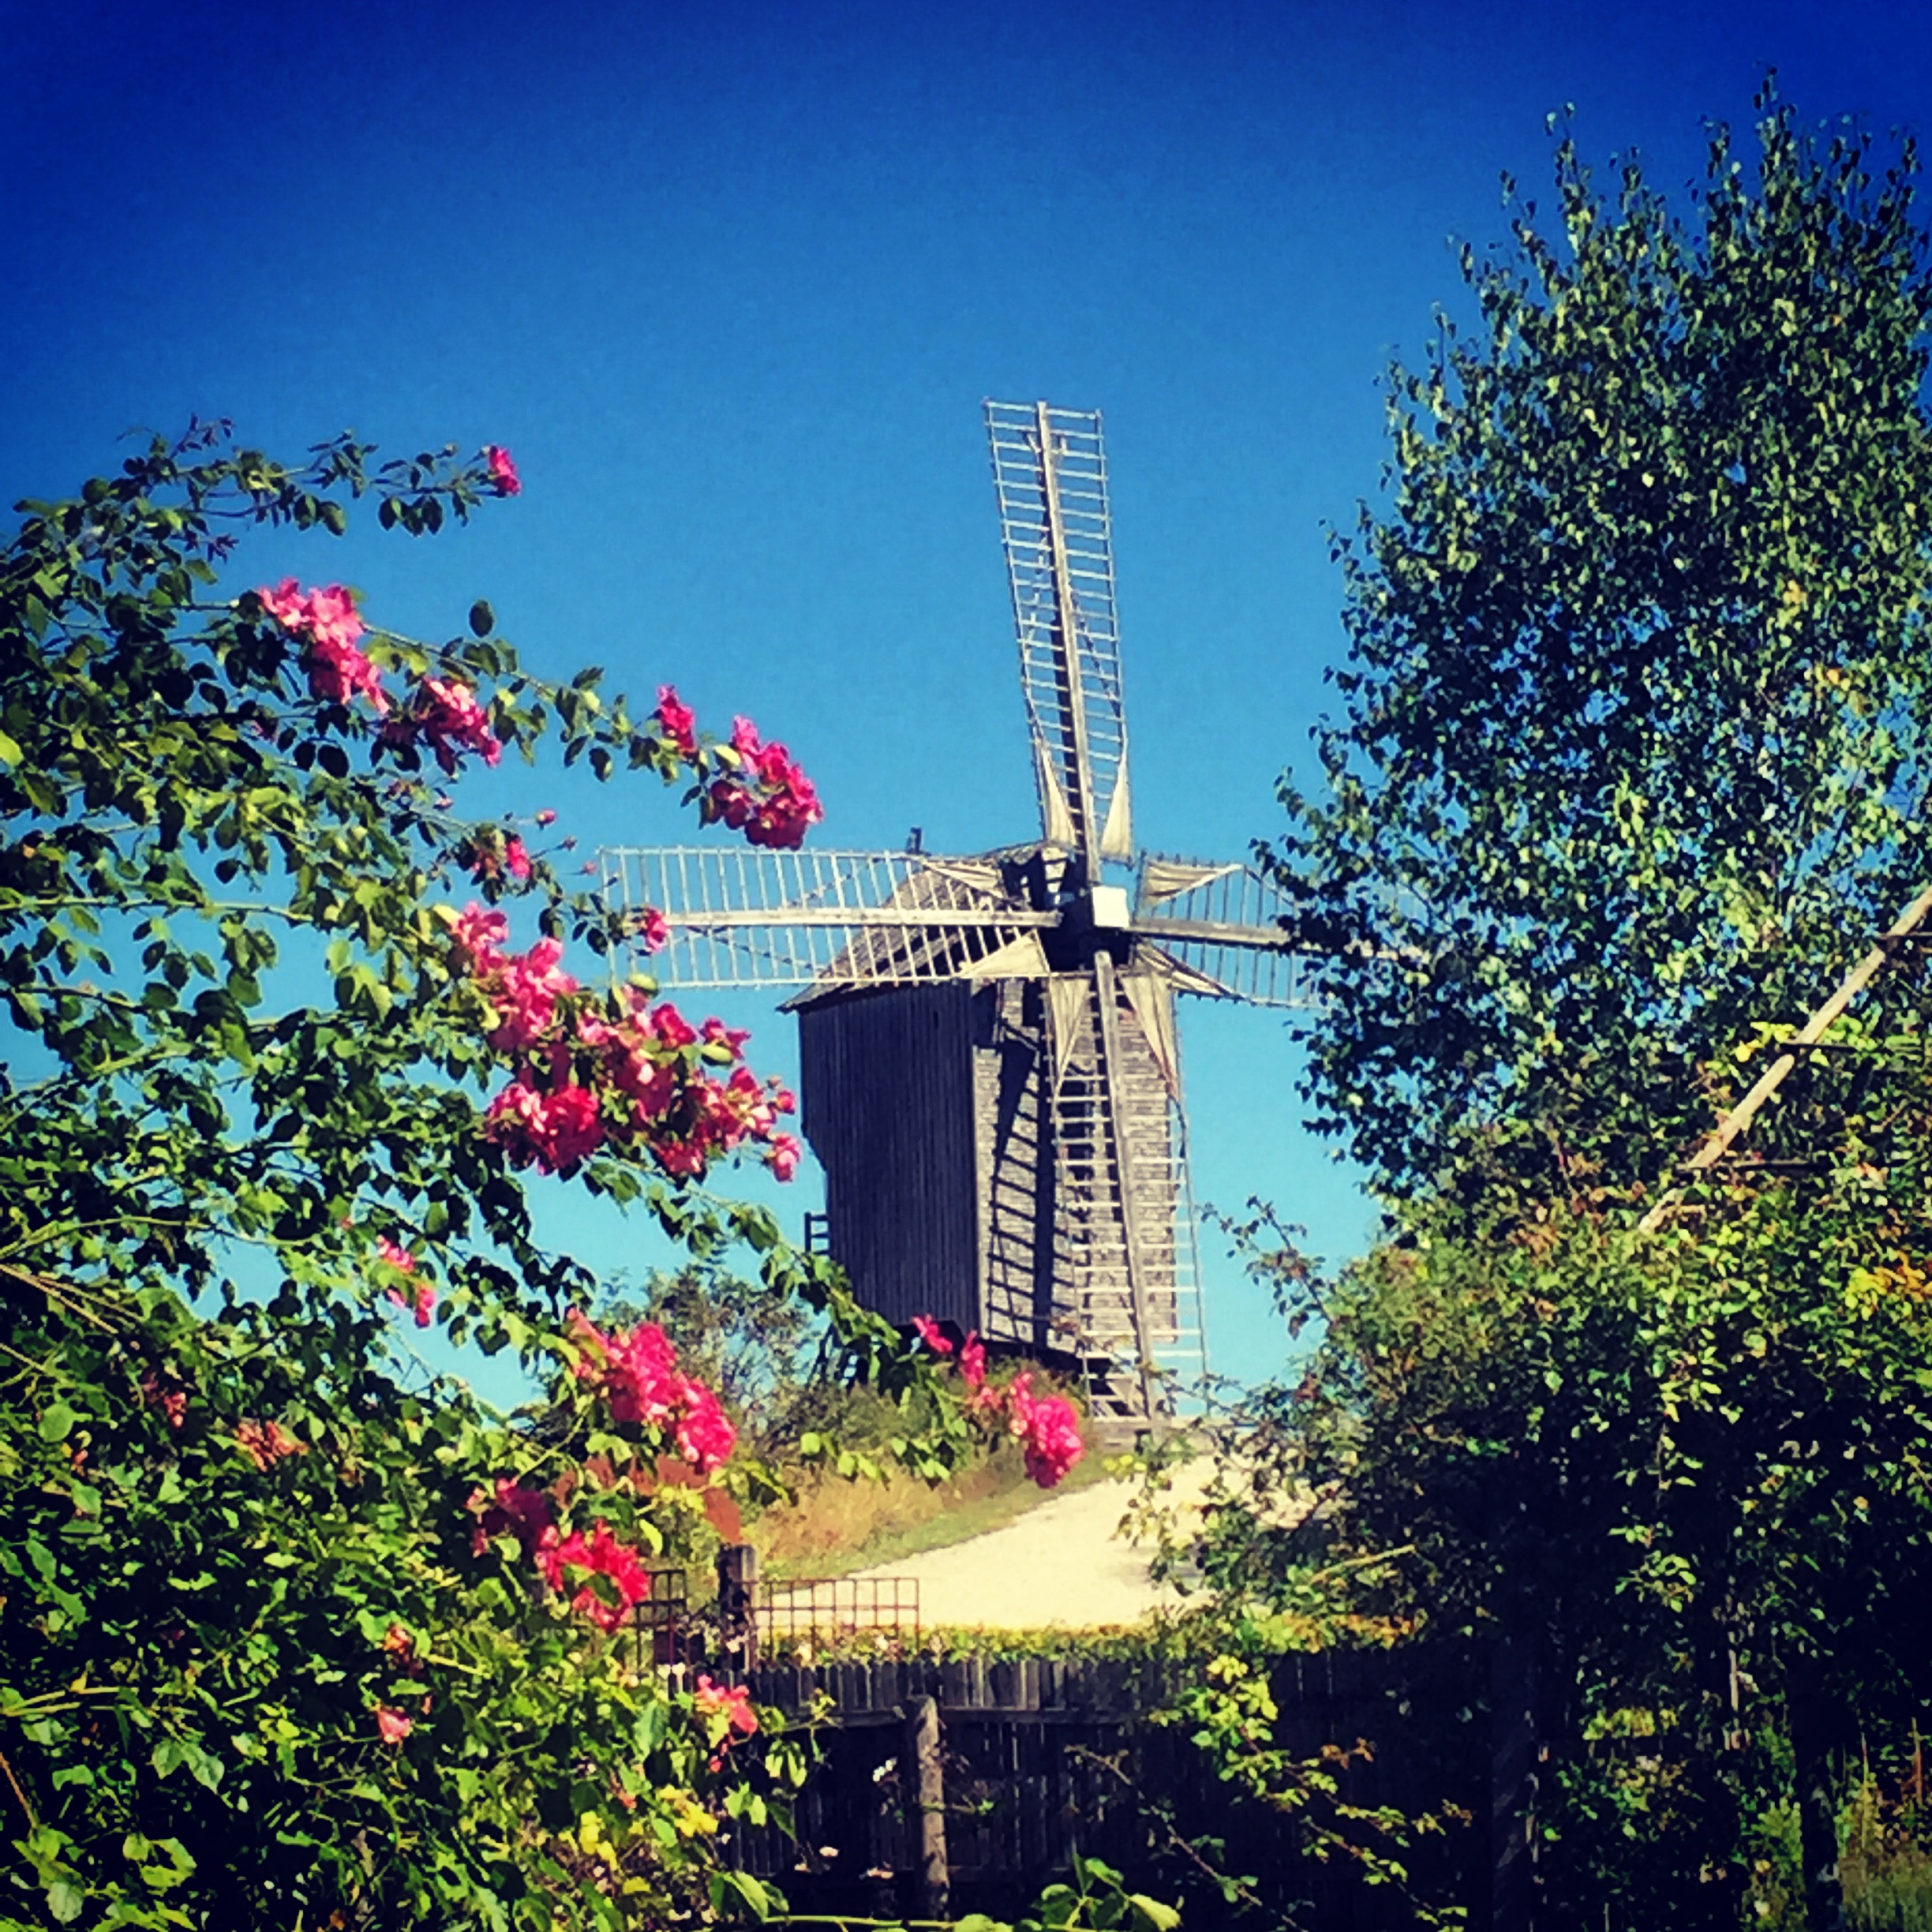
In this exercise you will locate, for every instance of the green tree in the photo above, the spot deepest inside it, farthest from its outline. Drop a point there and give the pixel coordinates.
(1632, 765)
(1633, 750)
(292, 1632)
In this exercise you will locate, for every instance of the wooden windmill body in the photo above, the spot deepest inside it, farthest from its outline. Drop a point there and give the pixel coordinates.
(990, 1074)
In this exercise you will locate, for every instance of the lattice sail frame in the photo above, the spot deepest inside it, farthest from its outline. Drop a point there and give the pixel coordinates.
(1050, 475)
(738, 917)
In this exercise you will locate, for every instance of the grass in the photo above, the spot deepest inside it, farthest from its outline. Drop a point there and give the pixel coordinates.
(834, 1525)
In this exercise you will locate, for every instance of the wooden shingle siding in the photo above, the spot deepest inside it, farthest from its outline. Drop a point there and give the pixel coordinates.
(888, 1079)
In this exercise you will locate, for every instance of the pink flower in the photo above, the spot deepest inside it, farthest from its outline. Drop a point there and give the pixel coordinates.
(637, 1374)
(479, 936)
(524, 1514)
(732, 1702)
(391, 1725)
(172, 1402)
(503, 471)
(932, 1334)
(678, 722)
(523, 992)
(546, 817)
(338, 670)
(446, 715)
(672, 1028)
(267, 1443)
(516, 859)
(785, 1156)
(399, 1643)
(602, 1555)
(556, 1130)
(1048, 1427)
(653, 929)
(386, 1250)
(706, 1436)
(777, 806)
(286, 605)
(716, 1033)
(972, 1361)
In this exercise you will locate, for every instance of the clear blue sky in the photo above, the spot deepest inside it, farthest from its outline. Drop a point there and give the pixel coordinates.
(732, 280)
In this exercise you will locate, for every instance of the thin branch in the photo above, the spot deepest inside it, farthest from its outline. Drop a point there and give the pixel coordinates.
(33, 1822)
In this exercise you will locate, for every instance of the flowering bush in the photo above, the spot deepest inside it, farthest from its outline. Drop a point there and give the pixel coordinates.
(289, 1633)
(1047, 1427)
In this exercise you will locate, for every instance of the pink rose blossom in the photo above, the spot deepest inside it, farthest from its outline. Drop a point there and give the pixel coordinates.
(637, 1374)
(677, 720)
(671, 1027)
(972, 1361)
(600, 1555)
(267, 1443)
(1048, 1427)
(338, 670)
(546, 817)
(391, 1725)
(172, 1402)
(523, 991)
(785, 1156)
(450, 719)
(717, 1033)
(706, 1436)
(524, 1514)
(733, 1702)
(653, 929)
(479, 936)
(555, 1130)
(503, 471)
(932, 1334)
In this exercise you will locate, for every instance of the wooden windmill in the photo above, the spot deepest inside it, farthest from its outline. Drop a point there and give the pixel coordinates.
(990, 1075)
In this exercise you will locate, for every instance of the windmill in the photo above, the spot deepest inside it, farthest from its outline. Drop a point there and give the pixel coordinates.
(990, 1074)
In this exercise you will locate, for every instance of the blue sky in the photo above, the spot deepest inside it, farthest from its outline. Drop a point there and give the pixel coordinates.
(731, 281)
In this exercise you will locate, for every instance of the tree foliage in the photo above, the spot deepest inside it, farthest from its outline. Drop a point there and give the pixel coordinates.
(1633, 746)
(1632, 765)
(292, 1631)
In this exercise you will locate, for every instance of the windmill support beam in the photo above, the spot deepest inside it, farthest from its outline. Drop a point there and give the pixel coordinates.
(921, 917)
(1080, 778)
(1112, 1062)
(1214, 932)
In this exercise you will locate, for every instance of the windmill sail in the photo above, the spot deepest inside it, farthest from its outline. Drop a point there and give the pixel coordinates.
(1050, 470)
(737, 917)
(1218, 928)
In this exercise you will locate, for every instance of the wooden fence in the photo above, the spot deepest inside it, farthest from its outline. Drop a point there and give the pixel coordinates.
(965, 1786)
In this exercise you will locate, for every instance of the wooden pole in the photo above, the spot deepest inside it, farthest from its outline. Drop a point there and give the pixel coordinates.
(924, 1772)
(1813, 1030)
(737, 1582)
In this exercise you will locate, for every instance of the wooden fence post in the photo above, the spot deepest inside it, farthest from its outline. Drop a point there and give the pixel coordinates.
(924, 1773)
(737, 1582)
(1514, 1757)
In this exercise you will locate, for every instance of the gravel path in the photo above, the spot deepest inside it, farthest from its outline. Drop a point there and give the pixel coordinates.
(1060, 1563)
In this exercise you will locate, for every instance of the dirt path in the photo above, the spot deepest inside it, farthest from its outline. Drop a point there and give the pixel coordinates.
(1061, 1563)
